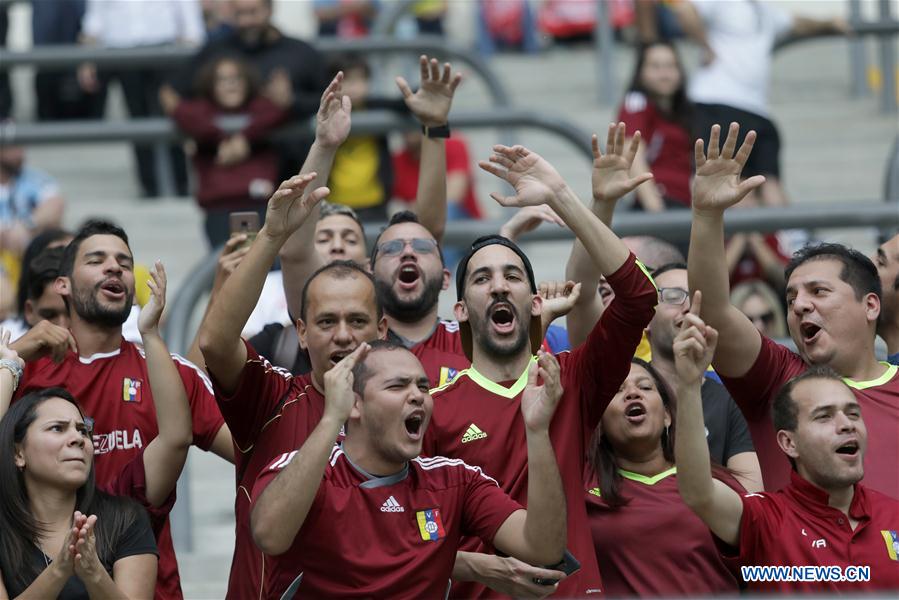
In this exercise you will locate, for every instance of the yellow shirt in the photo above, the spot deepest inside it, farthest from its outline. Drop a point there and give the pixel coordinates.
(354, 178)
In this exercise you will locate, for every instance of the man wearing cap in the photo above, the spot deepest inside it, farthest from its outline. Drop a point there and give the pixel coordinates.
(476, 417)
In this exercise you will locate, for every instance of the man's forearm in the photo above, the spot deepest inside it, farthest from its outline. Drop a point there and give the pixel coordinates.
(707, 267)
(606, 250)
(430, 199)
(545, 525)
(691, 450)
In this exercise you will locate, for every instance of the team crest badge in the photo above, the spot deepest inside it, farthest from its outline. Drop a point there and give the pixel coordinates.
(131, 390)
(892, 540)
(430, 525)
(447, 374)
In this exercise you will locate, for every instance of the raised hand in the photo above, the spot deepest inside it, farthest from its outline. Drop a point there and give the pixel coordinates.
(535, 180)
(7, 353)
(339, 394)
(528, 219)
(538, 403)
(333, 121)
(611, 171)
(717, 184)
(87, 564)
(559, 297)
(148, 320)
(694, 346)
(431, 103)
(288, 209)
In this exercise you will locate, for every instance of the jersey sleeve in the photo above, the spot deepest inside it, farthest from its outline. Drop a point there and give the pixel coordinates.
(259, 391)
(274, 468)
(137, 539)
(486, 507)
(603, 361)
(132, 482)
(760, 525)
(754, 392)
(635, 113)
(205, 415)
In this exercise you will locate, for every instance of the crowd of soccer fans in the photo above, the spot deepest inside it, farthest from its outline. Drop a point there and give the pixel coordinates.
(659, 444)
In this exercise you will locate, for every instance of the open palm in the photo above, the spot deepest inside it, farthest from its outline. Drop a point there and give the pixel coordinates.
(717, 184)
(288, 209)
(333, 120)
(535, 180)
(432, 101)
(611, 171)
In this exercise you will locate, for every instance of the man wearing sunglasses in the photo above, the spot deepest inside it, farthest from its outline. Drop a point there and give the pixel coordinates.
(727, 434)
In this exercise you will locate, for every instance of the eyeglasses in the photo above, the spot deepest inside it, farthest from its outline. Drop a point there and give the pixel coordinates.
(396, 247)
(673, 295)
(766, 318)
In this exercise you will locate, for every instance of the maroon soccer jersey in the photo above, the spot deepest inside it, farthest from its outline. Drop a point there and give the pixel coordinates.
(795, 526)
(113, 388)
(479, 421)
(655, 545)
(385, 537)
(269, 413)
(879, 399)
(441, 354)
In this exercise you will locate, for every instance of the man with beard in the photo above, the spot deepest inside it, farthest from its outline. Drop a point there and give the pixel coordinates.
(108, 374)
(833, 305)
(886, 258)
(475, 417)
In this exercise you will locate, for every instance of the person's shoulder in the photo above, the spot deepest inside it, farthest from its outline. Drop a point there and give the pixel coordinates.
(448, 326)
(440, 471)
(457, 384)
(286, 41)
(880, 504)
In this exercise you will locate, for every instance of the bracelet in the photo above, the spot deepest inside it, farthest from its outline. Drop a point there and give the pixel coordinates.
(13, 367)
(439, 131)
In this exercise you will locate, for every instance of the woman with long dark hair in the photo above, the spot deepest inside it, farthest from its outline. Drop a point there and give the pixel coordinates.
(656, 105)
(647, 541)
(61, 536)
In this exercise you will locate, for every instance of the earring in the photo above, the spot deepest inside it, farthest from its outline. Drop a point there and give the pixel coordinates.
(667, 436)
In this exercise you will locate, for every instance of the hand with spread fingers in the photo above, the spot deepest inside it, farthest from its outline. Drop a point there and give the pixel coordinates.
(288, 208)
(333, 121)
(528, 219)
(559, 297)
(717, 184)
(538, 403)
(694, 346)
(339, 394)
(535, 180)
(611, 171)
(432, 101)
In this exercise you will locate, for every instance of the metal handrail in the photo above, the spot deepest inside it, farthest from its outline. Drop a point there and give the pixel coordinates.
(884, 27)
(364, 123)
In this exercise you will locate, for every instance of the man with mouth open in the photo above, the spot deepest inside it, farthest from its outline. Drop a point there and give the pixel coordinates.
(368, 518)
(825, 517)
(833, 300)
(476, 416)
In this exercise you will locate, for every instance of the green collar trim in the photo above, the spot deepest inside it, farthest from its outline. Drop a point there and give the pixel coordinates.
(647, 480)
(863, 385)
(647, 273)
(499, 390)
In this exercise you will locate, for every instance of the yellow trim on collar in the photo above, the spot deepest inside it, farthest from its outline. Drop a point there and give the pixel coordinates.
(647, 480)
(647, 273)
(863, 385)
(499, 390)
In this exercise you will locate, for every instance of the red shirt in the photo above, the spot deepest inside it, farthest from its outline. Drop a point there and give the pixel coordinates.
(879, 399)
(441, 354)
(386, 537)
(749, 268)
(407, 167)
(655, 545)
(795, 526)
(668, 145)
(270, 412)
(114, 389)
(132, 482)
(479, 421)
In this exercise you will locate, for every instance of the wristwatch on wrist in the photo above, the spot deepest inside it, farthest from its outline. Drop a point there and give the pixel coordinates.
(439, 131)
(14, 368)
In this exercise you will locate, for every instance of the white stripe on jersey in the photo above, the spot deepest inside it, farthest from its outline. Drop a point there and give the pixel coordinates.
(279, 370)
(450, 326)
(283, 460)
(441, 461)
(179, 359)
(335, 454)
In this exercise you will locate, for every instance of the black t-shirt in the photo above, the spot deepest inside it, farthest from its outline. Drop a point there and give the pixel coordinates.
(726, 431)
(279, 344)
(137, 539)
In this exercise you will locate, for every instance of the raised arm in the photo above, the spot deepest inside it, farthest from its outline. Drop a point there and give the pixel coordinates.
(431, 105)
(538, 535)
(716, 187)
(299, 259)
(223, 350)
(611, 181)
(717, 505)
(11, 369)
(165, 455)
(281, 509)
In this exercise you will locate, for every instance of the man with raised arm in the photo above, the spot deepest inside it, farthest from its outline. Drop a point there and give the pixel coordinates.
(833, 299)
(406, 259)
(475, 416)
(368, 518)
(825, 517)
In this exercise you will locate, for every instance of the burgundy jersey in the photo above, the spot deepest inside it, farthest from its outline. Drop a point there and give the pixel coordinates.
(796, 526)
(879, 399)
(385, 537)
(655, 546)
(269, 413)
(113, 388)
(132, 482)
(480, 422)
(441, 354)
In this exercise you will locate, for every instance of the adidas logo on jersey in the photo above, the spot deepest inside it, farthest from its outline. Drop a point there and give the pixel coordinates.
(391, 505)
(473, 433)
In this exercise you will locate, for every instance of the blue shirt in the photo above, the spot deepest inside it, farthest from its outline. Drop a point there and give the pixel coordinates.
(23, 194)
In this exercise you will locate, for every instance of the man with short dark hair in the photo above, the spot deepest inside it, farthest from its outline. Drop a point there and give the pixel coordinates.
(825, 520)
(833, 300)
(107, 373)
(886, 258)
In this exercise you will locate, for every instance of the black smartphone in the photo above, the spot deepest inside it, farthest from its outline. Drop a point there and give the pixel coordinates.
(568, 565)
